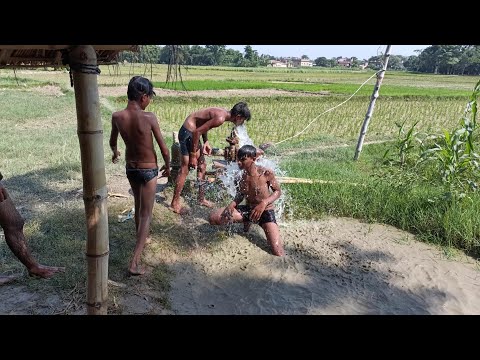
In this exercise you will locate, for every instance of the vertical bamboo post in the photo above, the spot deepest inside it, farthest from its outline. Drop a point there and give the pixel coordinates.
(83, 64)
(369, 113)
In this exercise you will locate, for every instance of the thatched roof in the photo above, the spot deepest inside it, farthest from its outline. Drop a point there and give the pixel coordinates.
(51, 55)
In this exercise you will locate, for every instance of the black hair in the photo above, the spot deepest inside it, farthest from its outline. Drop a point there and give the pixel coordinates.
(139, 86)
(247, 151)
(241, 109)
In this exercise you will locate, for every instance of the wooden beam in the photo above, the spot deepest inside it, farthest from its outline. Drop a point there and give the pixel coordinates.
(61, 47)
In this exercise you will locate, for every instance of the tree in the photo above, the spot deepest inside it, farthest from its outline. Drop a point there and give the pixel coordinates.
(323, 62)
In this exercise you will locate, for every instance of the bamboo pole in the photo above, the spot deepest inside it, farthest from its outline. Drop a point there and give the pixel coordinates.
(369, 113)
(82, 59)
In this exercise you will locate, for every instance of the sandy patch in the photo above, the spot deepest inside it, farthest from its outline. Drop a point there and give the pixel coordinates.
(334, 266)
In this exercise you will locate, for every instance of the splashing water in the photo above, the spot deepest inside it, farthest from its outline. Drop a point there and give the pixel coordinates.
(233, 173)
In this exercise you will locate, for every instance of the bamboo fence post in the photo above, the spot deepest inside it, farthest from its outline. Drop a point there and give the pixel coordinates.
(369, 113)
(83, 65)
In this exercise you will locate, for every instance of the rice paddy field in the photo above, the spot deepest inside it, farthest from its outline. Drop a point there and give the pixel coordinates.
(309, 115)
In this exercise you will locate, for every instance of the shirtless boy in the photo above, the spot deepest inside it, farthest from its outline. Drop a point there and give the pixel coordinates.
(254, 186)
(196, 124)
(136, 127)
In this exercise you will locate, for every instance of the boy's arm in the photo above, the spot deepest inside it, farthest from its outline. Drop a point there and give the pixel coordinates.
(274, 185)
(207, 149)
(214, 122)
(113, 141)
(161, 143)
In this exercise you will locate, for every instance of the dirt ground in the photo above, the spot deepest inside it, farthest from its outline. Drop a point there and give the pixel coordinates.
(332, 266)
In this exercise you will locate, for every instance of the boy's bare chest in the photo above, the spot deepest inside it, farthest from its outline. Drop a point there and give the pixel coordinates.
(252, 184)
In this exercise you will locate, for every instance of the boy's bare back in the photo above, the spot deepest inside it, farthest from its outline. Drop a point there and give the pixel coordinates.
(136, 128)
(200, 117)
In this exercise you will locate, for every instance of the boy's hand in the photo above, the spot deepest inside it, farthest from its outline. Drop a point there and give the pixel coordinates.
(207, 149)
(116, 156)
(258, 211)
(192, 162)
(166, 171)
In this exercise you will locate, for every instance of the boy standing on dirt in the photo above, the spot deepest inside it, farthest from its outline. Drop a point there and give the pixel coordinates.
(254, 186)
(196, 124)
(136, 127)
(12, 224)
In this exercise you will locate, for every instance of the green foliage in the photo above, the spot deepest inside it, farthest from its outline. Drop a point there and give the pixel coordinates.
(404, 145)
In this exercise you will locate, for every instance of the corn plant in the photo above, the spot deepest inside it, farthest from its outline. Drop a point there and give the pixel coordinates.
(454, 152)
(403, 145)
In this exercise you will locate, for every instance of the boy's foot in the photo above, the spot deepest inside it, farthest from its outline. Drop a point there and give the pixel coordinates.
(206, 203)
(5, 279)
(179, 210)
(136, 270)
(44, 272)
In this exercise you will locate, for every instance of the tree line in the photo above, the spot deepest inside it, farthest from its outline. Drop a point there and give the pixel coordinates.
(436, 59)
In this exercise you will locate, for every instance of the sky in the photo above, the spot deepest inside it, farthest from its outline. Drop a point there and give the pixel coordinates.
(329, 51)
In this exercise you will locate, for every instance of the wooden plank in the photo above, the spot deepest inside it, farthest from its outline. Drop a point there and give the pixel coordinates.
(60, 47)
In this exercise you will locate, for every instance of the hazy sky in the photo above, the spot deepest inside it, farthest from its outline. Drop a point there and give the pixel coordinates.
(329, 51)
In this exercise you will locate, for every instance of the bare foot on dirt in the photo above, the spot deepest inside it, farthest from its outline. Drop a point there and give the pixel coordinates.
(136, 270)
(44, 272)
(5, 279)
(206, 203)
(179, 210)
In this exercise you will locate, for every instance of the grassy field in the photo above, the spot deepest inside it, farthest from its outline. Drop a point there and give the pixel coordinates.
(40, 156)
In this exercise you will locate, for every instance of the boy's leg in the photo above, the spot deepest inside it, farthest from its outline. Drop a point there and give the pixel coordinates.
(201, 174)
(12, 224)
(273, 238)
(179, 183)
(216, 217)
(146, 194)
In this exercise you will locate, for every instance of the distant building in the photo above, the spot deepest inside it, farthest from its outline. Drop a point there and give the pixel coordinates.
(290, 62)
(346, 62)
(276, 63)
(306, 62)
(297, 62)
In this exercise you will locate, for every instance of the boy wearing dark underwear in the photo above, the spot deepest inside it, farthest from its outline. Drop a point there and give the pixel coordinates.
(136, 126)
(196, 124)
(254, 186)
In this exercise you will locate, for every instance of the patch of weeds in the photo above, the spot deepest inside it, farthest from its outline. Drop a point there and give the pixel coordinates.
(159, 280)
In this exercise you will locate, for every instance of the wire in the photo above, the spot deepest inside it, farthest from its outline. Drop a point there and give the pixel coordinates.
(301, 132)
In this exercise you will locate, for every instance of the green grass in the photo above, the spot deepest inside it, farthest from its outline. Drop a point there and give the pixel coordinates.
(334, 88)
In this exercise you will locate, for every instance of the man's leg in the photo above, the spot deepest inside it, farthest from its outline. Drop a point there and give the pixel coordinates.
(146, 196)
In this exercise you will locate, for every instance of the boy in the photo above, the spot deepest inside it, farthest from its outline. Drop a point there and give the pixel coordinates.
(136, 127)
(12, 224)
(254, 186)
(196, 124)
